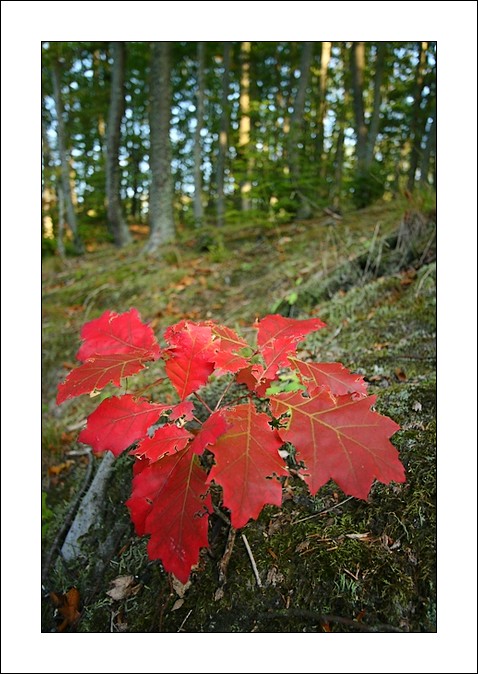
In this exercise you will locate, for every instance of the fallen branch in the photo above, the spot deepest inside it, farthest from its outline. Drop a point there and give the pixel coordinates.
(63, 532)
(87, 513)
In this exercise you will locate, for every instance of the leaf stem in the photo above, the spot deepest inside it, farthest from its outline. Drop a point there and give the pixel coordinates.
(221, 398)
(203, 402)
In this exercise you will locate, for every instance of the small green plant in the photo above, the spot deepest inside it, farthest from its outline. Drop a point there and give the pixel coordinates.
(46, 515)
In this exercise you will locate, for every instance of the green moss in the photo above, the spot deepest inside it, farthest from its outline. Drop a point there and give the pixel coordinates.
(319, 555)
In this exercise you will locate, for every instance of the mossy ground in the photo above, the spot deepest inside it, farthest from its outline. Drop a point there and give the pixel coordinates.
(326, 563)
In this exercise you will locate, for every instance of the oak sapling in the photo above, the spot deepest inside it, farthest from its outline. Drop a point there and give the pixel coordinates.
(326, 414)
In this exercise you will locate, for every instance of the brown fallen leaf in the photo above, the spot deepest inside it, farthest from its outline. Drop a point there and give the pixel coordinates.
(67, 607)
(360, 615)
(179, 587)
(400, 374)
(59, 468)
(408, 277)
(123, 587)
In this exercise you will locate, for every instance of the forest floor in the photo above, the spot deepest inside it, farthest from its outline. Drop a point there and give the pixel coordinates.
(326, 563)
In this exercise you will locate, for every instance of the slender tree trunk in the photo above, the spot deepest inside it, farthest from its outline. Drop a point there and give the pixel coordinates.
(357, 63)
(101, 124)
(377, 101)
(223, 133)
(65, 166)
(245, 125)
(415, 132)
(135, 175)
(321, 104)
(161, 191)
(47, 190)
(430, 149)
(336, 191)
(198, 205)
(116, 222)
(296, 129)
(61, 223)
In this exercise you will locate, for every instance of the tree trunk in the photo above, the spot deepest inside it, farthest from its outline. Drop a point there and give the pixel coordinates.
(336, 191)
(116, 222)
(415, 134)
(64, 159)
(430, 149)
(161, 191)
(61, 223)
(357, 63)
(377, 101)
(47, 230)
(296, 129)
(198, 205)
(223, 132)
(321, 104)
(245, 125)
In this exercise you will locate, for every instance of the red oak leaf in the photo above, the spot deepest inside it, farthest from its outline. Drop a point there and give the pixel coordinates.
(117, 422)
(277, 338)
(170, 502)
(184, 409)
(247, 459)
(277, 327)
(166, 440)
(99, 371)
(333, 376)
(229, 345)
(209, 432)
(190, 358)
(117, 333)
(339, 438)
(251, 376)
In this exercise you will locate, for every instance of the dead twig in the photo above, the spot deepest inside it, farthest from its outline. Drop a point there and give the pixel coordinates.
(224, 563)
(323, 512)
(184, 621)
(253, 563)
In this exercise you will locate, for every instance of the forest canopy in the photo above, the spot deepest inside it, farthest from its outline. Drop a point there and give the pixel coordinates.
(174, 135)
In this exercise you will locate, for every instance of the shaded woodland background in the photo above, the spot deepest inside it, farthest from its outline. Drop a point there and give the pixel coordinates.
(171, 136)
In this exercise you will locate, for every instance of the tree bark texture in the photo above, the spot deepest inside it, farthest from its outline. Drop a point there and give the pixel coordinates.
(198, 205)
(374, 127)
(321, 103)
(245, 125)
(357, 66)
(116, 222)
(223, 136)
(64, 159)
(416, 121)
(161, 192)
(296, 129)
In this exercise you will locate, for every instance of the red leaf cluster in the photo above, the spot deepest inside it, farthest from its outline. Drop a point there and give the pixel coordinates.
(330, 421)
